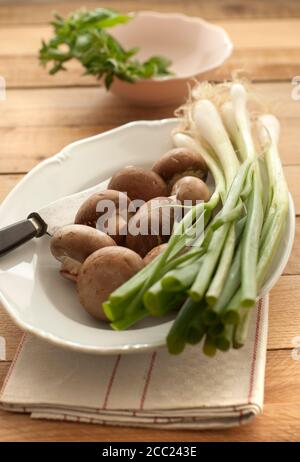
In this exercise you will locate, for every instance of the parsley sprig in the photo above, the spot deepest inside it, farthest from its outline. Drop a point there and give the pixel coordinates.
(83, 36)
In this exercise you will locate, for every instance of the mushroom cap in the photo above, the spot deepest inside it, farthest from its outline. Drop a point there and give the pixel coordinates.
(154, 253)
(138, 183)
(180, 162)
(72, 244)
(114, 221)
(190, 188)
(88, 214)
(78, 242)
(151, 225)
(103, 272)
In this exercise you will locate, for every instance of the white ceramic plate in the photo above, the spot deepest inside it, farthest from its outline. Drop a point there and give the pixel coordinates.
(31, 290)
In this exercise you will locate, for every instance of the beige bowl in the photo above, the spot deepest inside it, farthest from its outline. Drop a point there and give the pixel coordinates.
(194, 46)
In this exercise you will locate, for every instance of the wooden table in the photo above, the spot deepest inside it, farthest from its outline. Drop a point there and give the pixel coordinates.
(42, 114)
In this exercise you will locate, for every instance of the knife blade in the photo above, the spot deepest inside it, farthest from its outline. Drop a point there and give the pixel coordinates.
(45, 220)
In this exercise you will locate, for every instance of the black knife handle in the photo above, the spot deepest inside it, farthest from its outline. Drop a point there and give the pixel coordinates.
(13, 236)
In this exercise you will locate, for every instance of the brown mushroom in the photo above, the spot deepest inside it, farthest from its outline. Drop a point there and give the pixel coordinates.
(153, 253)
(190, 188)
(72, 244)
(138, 183)
(106, 211)
(103, 272)
(151, 225)
(180, 162)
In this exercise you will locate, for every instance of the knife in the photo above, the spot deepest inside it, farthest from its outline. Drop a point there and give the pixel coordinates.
(46, 220)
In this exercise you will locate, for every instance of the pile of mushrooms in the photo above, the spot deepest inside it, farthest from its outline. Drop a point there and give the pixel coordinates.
(100, 255)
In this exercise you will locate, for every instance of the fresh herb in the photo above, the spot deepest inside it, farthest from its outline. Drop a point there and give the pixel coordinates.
(83, 36)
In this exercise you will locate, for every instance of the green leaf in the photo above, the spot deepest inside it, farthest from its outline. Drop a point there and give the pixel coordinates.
(108, 80)
(83, 42)
(132, 52)
(114, 21)
(83, 36)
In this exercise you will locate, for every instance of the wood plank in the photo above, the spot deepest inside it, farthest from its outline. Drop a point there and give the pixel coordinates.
(4, 367)
(261, 35)
(282, 378)
(93, 107)
(280, 420)
(269, 50)
(292, 174)
(266, 34)
(259, 65)
(23, 147)
(70, 107)
(284, 318)
(293, 266)
(15, 12)
(278, 423)
(7, 182)
(12, 67)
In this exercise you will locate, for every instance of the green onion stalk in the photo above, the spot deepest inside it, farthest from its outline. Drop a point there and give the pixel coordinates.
(123, 313)
(276, 215)
(212, 284)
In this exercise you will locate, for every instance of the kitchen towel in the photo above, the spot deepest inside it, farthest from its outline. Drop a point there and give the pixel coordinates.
(151, 389)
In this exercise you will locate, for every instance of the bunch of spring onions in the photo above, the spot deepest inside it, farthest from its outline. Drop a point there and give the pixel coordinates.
(213, 278)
